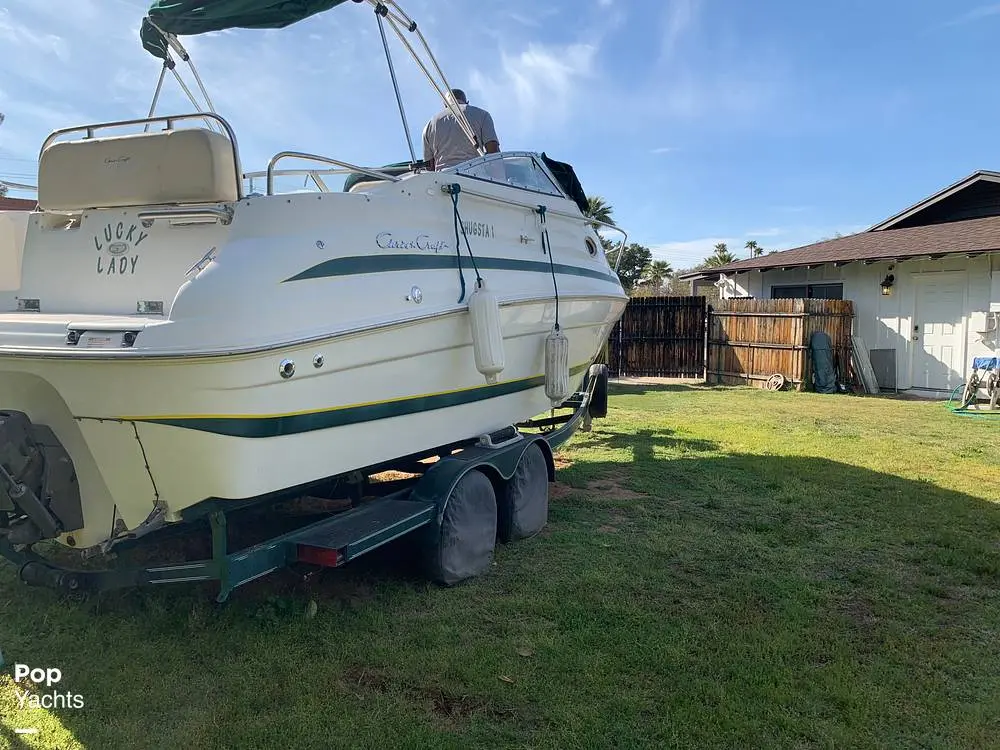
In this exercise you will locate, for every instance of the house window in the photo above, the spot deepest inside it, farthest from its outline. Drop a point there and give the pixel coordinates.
(808, 291)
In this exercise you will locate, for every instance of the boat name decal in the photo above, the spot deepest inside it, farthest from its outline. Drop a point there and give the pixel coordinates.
(386, 241)
(479, 229)
(119, 240)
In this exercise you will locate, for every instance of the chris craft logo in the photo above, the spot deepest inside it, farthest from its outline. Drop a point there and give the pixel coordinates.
(116, 245)
(386, 241)
(28, 689)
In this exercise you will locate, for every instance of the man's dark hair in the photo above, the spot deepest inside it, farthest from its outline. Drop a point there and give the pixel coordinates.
(459, 96)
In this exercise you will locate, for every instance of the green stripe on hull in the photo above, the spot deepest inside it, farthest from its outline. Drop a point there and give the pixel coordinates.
(359, 264)
(294, 424)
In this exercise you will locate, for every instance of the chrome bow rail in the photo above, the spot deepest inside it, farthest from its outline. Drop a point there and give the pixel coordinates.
(322, 159)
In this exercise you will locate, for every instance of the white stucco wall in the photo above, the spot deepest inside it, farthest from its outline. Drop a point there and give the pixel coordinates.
(887, 322)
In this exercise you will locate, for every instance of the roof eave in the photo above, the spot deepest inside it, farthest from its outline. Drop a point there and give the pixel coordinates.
(947, 192)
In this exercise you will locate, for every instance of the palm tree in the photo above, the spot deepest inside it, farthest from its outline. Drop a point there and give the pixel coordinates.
(755, 249)
(720, 257)
(658, 273)
(599, 210)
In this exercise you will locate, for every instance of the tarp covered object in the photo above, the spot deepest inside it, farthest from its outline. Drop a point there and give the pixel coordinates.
(191, 17)
(824, 373)
(468, 531)
(524, 507)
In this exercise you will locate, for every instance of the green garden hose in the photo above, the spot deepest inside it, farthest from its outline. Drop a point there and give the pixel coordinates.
(963, 412)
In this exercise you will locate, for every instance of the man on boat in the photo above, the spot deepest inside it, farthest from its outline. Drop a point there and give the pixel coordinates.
(446, 144)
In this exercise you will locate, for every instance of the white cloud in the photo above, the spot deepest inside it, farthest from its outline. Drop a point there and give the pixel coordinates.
(680, 18)
(663, 150)
(31, 42)
(687, 253)
(976, 14)
(538, 88)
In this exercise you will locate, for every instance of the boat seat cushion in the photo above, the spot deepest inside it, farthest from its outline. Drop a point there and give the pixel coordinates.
(189, 165)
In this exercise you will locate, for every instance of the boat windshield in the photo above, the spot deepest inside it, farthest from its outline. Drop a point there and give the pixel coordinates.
(516, 168)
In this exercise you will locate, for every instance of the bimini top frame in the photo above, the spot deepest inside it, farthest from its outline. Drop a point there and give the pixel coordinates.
(266, 15)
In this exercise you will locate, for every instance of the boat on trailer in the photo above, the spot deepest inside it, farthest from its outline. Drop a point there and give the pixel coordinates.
(182, 344)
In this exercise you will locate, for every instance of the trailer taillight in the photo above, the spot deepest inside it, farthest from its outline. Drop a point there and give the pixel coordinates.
(328, 558)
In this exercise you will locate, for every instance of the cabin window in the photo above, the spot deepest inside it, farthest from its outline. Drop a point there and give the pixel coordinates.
(808, 291)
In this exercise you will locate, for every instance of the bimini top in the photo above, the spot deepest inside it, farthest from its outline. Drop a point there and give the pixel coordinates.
(189, 17)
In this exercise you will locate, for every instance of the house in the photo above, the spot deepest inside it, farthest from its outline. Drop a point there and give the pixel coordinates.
(925, 284)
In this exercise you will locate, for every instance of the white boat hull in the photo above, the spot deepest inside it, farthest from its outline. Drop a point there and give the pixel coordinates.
(197, 407)
(176, 432)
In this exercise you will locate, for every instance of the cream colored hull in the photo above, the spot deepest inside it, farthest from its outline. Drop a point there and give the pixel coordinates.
(174, 432)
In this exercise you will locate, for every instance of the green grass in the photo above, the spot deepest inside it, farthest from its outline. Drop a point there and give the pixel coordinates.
(722, 568)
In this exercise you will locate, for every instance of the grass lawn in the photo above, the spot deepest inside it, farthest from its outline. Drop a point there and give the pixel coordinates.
(722, 567)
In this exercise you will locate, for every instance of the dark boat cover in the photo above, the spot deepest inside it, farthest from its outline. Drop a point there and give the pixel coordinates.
(824, 372)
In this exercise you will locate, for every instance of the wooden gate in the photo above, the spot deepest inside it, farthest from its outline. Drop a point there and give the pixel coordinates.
(660, 337)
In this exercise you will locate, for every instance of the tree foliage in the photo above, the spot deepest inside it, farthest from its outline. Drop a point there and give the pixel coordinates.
(635, 261)
(599, 209)
(720, 257)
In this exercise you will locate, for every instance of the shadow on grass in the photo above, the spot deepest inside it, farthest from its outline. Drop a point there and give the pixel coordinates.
(639, 389)
(749, 560)
(11, 739)
(643, 442)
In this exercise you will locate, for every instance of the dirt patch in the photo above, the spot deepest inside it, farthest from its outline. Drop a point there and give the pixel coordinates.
(443, 704)
(561, 463)
(558, 490)
(613, 487)
(391, 476)
(860, 613)
(614, 524)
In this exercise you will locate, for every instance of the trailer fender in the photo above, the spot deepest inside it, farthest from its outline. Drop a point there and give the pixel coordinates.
(499, 464)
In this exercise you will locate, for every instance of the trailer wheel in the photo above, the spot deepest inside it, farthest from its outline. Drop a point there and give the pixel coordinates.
(524, 504)
(598, 407)
(467, 536)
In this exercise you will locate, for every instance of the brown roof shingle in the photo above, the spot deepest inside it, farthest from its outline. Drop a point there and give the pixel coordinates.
(17, 204)
(956, 237)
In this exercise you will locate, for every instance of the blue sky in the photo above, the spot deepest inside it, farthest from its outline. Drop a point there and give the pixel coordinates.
(699, 120)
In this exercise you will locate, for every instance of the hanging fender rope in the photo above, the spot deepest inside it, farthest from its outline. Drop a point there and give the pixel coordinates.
(547, 249)
(453, 190)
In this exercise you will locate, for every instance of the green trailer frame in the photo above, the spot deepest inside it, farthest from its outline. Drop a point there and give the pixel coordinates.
(418, 506)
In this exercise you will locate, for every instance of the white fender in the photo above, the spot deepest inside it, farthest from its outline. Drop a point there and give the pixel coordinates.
(556, 367)
(487, 333)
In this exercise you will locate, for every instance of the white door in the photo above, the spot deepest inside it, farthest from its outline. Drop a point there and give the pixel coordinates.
(939, 331)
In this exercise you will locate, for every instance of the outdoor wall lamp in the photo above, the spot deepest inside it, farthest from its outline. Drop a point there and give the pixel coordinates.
(887, 284)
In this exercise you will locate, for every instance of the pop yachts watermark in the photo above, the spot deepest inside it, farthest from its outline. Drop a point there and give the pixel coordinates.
(386, 241)
(28, 682)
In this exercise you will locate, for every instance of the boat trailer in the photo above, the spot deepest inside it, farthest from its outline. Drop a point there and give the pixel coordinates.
(490, 488)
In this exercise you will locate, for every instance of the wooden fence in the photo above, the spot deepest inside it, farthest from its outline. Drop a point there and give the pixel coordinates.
(749, 340)
(660, 337)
